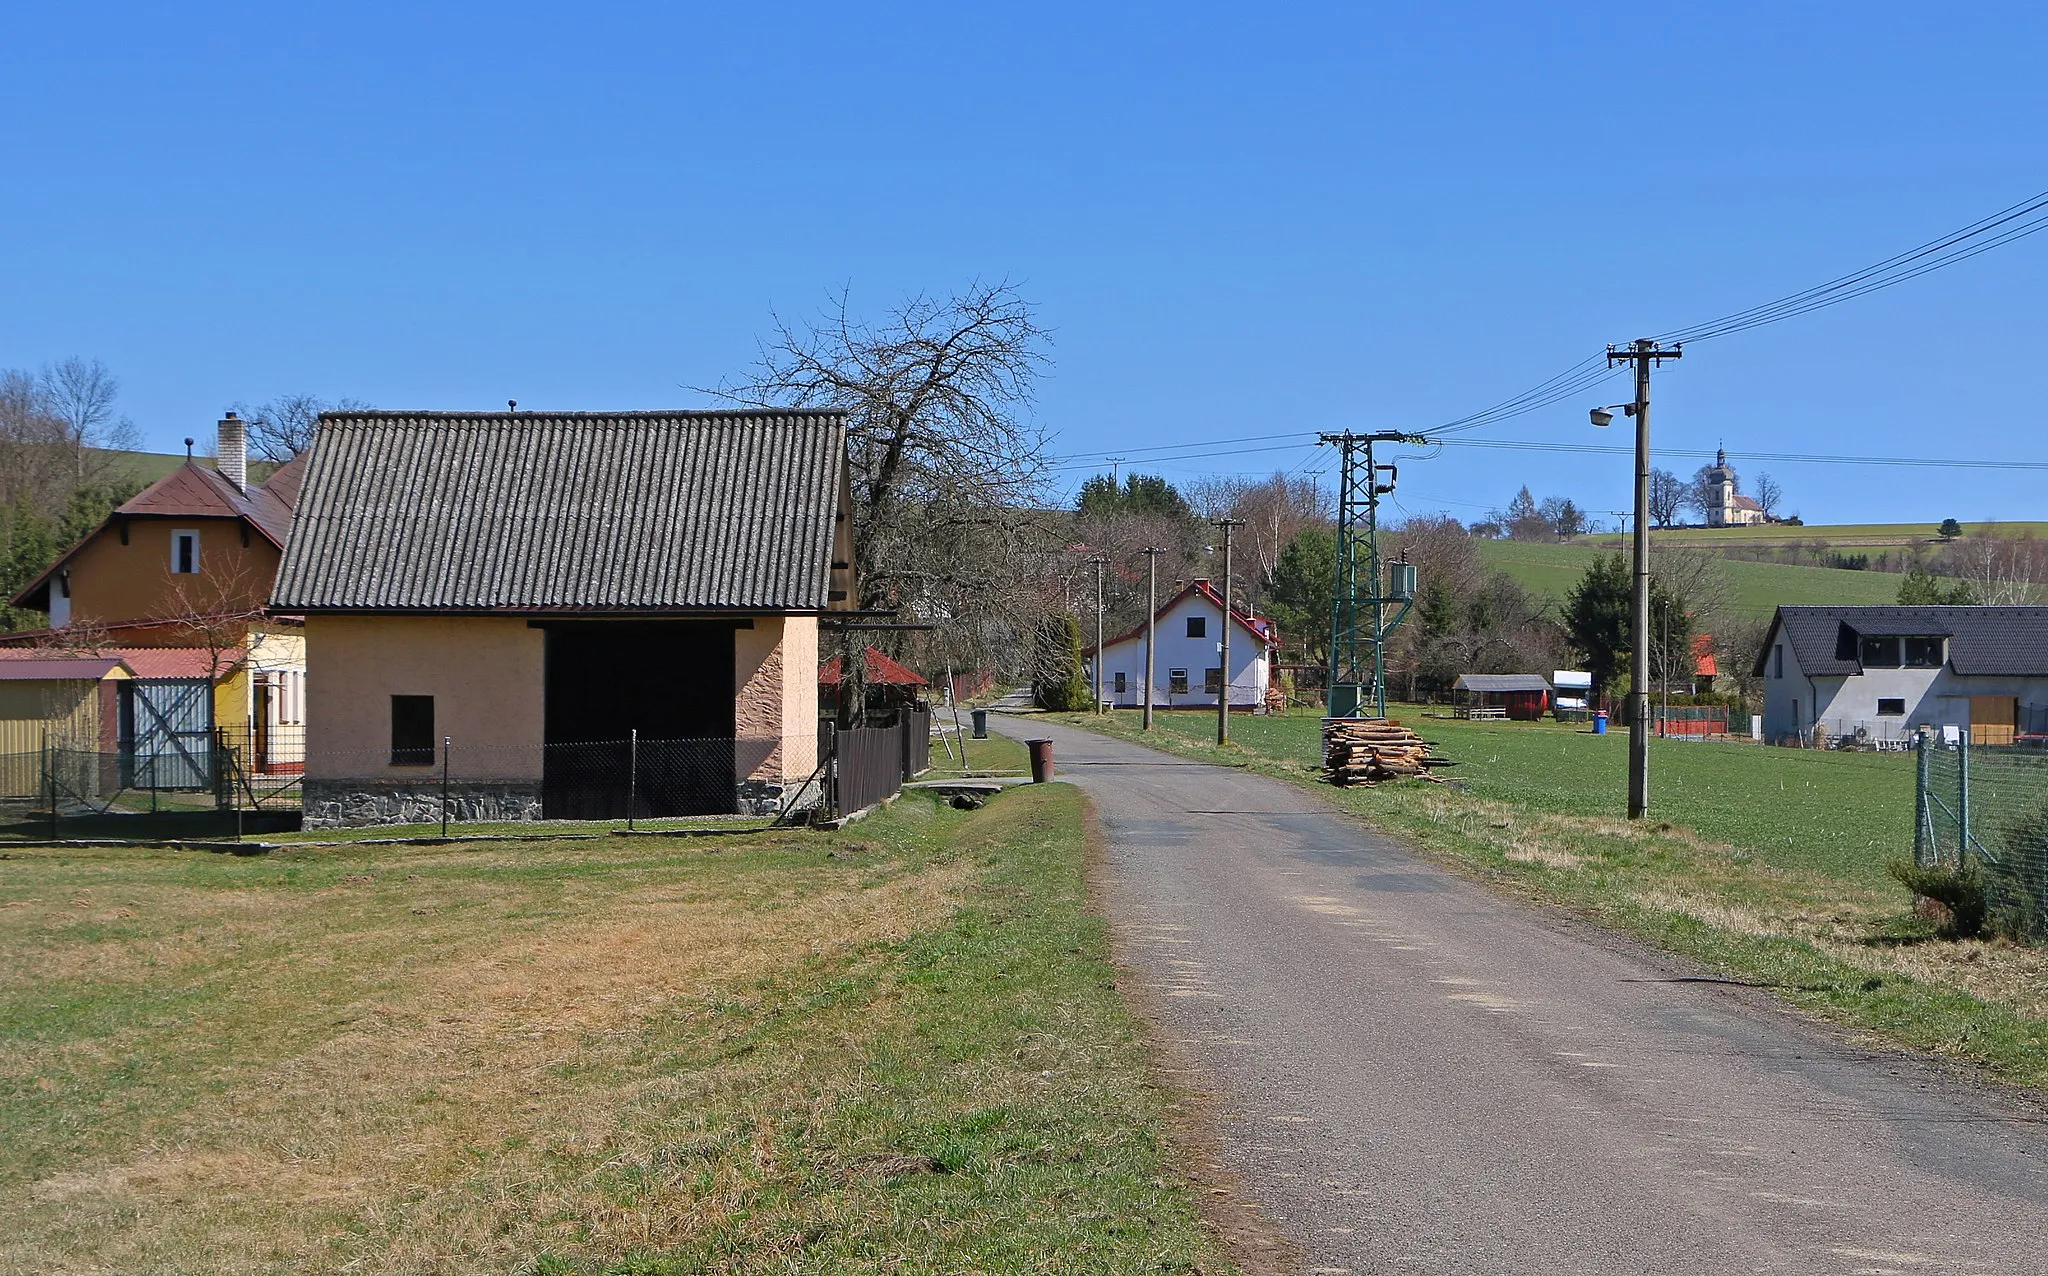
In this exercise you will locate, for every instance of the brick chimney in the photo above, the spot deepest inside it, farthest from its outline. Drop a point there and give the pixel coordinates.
(231, 456)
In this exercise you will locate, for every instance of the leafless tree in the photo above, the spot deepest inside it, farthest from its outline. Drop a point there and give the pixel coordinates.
(1274, 510)
(1702, 493)
(282, 428)
(80, 393)
(1768, 495)
(947, 461)
(2001, 570)
(1667, 497)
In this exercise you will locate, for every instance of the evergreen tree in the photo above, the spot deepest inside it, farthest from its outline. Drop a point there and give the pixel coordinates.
(1298, 597)
(1058, 681)
(1597, 617)
(1922, 588)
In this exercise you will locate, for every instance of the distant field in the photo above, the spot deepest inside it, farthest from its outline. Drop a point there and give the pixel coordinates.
(1847, 535)
(1549, 571)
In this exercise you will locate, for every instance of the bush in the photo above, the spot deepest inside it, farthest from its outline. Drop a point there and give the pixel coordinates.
(1958, 890)
(1058, 681)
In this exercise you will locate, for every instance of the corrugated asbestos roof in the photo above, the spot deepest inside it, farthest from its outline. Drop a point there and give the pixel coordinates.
(1983, 641)
(587, 511)
(57, 669)
(1501, 682)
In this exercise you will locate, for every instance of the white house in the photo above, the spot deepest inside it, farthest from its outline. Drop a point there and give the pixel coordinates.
(1187, 669)
(1880, 673)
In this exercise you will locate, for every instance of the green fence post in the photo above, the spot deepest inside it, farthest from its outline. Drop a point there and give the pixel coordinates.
(1963, 802)
(1921, 768)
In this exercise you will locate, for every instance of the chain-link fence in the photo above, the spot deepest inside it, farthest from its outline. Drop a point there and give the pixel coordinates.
(1987, 807)
(243, 781)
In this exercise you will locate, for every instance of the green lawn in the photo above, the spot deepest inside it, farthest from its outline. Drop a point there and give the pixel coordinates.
(1849, 535)
(895, 1049)
(1843, 814)
(1763, 864)
(1549, 571)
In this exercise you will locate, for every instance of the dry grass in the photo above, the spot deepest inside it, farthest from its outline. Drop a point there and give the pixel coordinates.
(465, 1058)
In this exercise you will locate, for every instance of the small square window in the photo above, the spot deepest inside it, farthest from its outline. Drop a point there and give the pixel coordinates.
(1177, 681)
(1212, 682)
(1891, 708)
(1198, 626)
(412, 731)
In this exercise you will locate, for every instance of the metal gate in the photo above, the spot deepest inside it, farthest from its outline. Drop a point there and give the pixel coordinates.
(167, 733)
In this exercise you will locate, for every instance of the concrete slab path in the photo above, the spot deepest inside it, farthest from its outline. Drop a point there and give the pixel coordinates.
(1416, 1075)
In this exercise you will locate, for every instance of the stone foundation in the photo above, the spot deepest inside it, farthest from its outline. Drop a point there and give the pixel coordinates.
(355, 803)
(762, 797)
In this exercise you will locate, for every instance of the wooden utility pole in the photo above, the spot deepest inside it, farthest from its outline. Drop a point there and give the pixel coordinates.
(1223, 644)
(1151, 627)
(1645, 354)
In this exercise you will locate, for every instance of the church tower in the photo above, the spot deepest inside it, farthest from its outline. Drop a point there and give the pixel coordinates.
(1722, 480)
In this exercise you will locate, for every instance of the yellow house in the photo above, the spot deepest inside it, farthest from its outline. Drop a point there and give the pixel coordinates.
(185, 566)
(565, 613)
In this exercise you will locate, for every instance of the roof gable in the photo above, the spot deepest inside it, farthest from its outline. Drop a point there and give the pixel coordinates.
(604, 512)
(1201, 591)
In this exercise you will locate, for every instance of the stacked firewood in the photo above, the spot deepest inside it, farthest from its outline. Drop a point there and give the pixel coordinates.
(1369, 750)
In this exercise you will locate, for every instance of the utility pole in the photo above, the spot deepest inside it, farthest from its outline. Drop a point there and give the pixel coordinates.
(1359, 625)
(1099, 563)
(1223, 646)
(1645, 354)
(1151, 625)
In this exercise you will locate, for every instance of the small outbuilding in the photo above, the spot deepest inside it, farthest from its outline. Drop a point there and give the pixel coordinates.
(891, 684)
(1525, 697)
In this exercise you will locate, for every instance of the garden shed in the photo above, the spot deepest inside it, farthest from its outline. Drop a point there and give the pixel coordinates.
(1524, 697)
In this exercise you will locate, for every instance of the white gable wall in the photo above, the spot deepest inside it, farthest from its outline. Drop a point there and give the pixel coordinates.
(1249, 667)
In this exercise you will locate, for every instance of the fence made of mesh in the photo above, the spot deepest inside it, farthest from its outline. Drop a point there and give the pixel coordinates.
(1987, 807)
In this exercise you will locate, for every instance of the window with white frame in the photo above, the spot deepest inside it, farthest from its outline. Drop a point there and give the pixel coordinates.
(185, 553)
(1177, 681)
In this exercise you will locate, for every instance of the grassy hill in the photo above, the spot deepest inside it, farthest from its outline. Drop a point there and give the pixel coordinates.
(1549, 571)
(1843, 535)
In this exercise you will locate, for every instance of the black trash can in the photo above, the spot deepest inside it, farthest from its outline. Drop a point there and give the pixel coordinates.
(980, 717)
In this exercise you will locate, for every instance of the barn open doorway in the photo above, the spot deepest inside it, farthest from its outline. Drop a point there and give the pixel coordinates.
(669, 680)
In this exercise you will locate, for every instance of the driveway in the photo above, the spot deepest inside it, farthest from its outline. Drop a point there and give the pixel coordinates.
(1415, 1075)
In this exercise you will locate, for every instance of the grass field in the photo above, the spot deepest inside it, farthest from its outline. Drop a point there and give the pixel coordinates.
(1847, 535)
(1549, 571)
(1785, 807)
(1763, 864)
(896, 1049)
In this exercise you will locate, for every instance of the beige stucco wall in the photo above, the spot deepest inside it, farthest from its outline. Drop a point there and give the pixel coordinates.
(775, 682)
(487, 676)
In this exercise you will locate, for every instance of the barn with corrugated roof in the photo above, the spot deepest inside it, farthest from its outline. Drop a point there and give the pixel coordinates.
(516, 596)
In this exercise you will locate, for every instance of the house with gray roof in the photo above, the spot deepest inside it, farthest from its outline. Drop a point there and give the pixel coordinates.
(525, 597)
(1878, 674)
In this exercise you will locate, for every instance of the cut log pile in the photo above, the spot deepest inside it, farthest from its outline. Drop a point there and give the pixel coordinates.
(1369, 750)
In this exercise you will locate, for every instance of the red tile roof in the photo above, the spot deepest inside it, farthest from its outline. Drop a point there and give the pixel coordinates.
(143, 662)
(881, 670)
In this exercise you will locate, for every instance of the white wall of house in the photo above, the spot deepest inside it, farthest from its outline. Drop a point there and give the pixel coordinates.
(1250, 666)
(1794, 702)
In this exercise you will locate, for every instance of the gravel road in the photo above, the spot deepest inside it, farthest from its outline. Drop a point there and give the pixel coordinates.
(1412, 1074)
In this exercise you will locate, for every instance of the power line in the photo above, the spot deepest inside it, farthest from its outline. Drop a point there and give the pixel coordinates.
(1782, 458)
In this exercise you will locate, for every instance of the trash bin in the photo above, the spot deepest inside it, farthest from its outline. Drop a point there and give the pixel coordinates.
(1600, 722)
(980, 717)
(1041, 760)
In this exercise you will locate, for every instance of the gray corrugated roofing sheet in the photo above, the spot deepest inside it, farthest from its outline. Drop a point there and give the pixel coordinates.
(587, 511)
(1501, 682)
(1983, 641)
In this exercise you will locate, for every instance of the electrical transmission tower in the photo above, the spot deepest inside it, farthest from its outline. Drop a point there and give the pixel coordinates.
(1359, 621)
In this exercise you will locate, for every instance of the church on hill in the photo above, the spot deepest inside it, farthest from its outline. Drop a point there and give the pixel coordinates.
(1726, 506)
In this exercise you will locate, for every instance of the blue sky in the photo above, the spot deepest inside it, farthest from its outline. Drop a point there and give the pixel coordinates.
(1237, 221)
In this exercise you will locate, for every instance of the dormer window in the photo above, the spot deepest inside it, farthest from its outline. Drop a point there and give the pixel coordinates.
(1923, 653)
(185, 553)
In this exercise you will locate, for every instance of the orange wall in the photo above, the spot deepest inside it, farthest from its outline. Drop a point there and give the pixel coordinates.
(487, 676)
(112, 583)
